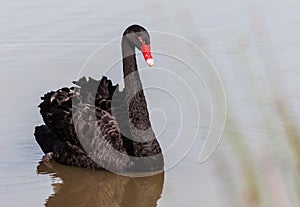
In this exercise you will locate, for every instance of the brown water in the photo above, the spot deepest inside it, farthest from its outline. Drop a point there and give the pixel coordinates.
(79, 187)
(255, 47)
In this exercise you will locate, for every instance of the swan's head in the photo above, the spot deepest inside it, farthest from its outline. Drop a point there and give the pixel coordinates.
(140, 38)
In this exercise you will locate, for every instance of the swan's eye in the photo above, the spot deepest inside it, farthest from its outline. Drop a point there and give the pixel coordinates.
(141, 39)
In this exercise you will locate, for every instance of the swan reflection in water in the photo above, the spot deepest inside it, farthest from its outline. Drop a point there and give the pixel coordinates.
(88, 188)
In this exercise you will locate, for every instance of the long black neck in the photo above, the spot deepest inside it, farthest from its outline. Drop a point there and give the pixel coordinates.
(129, 60)
(143, 141)
(139, 122)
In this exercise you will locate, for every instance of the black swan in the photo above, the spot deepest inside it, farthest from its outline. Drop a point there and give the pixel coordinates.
(120, 137)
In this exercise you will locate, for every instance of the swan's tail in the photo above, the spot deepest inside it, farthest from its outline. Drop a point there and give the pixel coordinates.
(104, 87)
(45, 138)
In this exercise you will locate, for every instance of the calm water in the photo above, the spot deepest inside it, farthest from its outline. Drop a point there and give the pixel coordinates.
(254, 45)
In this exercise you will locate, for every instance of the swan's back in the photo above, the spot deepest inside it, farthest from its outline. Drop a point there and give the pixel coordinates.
(58, 135)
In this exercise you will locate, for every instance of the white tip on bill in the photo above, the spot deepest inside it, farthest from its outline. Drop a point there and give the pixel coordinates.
(150, 62)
